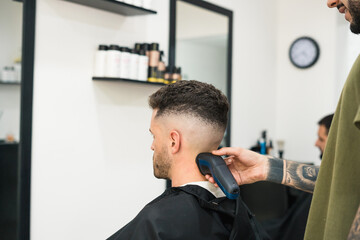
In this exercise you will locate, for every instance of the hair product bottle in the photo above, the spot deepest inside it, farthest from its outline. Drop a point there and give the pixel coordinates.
(100, 61)
(143, 66)
(154, 55)
(161, 69)
(154, 58)
(168, 75)
(125, 62)
(176, 76)
(134, 62)
(112, 68)
(145, 47)
(137, 47)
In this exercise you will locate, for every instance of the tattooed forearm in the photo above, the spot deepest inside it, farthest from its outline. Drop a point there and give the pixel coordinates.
(355, 228)
(293, 174)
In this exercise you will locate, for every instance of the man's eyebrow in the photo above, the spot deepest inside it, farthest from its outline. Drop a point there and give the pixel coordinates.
(150, 131)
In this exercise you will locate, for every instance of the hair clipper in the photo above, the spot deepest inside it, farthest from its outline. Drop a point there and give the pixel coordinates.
(217, 168)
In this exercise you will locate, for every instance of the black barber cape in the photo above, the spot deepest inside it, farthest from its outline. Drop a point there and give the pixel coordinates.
(191, 212)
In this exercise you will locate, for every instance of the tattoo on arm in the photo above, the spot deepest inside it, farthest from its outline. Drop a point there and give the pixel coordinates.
(293, 174)
(355, 228)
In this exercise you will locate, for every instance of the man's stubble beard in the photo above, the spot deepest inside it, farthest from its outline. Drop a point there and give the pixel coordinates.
(161, 164)
(354, 8)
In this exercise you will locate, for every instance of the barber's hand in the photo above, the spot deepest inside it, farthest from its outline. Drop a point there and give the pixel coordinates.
(246, 166)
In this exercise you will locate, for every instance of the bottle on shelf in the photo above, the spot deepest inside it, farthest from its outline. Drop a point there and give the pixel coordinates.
(125, 62)
(100, 61)
(161, 69)
(143, 66)
(176, 76)
(281, 144)
(134, 64)
(113, 56)
(154, 58)
(146, 47)
(168, 75)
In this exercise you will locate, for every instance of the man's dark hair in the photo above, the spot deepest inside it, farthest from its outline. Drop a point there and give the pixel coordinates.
(326, 121)
(194, 98)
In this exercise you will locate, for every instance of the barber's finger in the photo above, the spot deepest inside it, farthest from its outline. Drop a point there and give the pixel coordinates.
(228, 160)
(227, 151)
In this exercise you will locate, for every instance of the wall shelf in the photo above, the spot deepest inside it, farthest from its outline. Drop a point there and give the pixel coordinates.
(115, 7)
(126, 80)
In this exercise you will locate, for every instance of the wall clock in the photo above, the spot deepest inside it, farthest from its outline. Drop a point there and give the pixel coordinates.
(304, 52)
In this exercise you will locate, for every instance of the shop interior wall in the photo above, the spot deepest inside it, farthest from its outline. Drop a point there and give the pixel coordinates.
(91, 159)
(304, 96)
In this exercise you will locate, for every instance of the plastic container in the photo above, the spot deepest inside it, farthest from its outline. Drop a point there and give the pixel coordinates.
(125, 62)
(134, 64)
(113, 56)
(143, 66)
(100, 61)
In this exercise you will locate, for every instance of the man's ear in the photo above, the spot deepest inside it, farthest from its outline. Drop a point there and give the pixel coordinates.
(175, 138)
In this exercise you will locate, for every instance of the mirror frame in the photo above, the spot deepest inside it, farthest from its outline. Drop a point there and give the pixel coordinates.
(26, 106)
(172, 44)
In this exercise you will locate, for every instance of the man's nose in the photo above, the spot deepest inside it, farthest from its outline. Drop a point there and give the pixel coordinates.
(332, 3)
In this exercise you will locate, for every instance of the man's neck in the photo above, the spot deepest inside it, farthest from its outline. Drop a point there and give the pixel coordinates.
(185, 171)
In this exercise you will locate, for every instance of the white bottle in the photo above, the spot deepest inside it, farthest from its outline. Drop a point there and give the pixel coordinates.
(125, 63)
(100, 61)
(8, 74)
(134, 63)
(112, 68)
(143, 66)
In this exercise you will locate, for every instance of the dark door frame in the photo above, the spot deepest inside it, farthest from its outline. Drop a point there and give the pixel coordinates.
(26, 106)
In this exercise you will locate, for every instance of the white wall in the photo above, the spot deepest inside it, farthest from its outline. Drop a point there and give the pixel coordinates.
(254, 69)
(304, 96)
(91, 158)
(10, 49)
(91, 162)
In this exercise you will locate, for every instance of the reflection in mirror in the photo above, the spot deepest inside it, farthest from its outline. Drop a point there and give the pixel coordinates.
(10, 67)
(203, 45)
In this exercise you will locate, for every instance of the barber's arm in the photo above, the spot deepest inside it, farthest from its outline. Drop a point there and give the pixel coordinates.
(249, 167)
(355, 228)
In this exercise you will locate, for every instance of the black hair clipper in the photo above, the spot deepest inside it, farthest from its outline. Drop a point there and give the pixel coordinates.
(217, 168)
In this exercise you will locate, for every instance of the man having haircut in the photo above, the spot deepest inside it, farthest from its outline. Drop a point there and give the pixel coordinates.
(188, 118)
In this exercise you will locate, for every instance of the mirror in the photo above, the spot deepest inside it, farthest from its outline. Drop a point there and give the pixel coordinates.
(10, 68)
(11, 13)
(200, 43)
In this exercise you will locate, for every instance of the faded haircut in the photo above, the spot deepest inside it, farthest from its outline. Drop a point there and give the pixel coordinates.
(194, 98)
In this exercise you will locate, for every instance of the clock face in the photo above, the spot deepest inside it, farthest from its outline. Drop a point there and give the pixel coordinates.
(304, 52)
